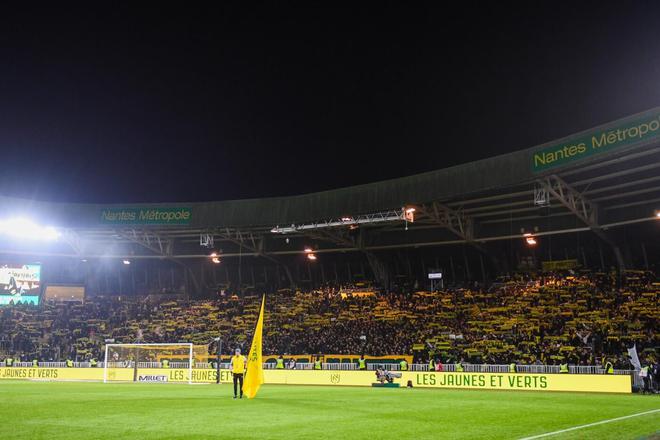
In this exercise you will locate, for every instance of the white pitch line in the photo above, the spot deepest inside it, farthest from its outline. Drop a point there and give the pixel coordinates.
(602, 422)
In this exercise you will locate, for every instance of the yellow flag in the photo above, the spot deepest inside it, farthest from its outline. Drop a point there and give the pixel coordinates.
(255, 367)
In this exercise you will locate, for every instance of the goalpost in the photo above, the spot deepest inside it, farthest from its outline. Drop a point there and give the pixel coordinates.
(123, 362)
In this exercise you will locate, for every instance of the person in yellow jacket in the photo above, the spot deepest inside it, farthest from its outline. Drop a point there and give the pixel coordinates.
(238, 364)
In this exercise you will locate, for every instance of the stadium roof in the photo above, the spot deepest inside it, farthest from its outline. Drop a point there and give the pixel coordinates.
(597, 179)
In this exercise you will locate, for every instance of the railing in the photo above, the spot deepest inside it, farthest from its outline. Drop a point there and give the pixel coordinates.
(468, 368)
(152, 365)
(298, 366)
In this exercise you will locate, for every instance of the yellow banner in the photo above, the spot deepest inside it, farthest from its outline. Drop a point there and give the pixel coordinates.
(597, 383)
(323, 377)
(558, 265)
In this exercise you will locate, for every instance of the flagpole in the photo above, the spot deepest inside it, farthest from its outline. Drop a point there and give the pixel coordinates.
(218, 353)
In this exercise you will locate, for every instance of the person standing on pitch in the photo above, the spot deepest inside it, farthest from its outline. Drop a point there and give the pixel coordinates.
(238, 363)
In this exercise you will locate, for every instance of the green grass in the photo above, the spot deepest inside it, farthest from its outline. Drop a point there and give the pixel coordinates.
(60, 410)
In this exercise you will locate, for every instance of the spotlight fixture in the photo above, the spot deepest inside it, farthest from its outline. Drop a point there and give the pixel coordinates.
(409, 214)
(530, 239)
(126, 262)
(206, 240)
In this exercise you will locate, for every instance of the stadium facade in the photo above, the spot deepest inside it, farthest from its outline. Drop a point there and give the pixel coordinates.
(591, 197)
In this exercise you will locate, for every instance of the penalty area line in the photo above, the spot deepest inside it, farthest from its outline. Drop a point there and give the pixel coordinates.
(588, 425)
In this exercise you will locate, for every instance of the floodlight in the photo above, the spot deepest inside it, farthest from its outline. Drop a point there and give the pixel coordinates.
(24, 228)
(530, 239)
(311, 257)
(409, 214)
(127, 262)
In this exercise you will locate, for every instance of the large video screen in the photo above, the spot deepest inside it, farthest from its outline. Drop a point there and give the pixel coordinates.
(19, 284)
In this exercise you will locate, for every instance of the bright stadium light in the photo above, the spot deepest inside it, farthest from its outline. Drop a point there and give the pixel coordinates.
(409, 214)
(126, 262)
(215, 258)
(308, 250)
(529, 239)
(26, 229)
(311, 257)
(657, 213)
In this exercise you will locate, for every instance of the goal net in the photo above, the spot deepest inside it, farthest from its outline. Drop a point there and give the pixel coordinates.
(149, 363)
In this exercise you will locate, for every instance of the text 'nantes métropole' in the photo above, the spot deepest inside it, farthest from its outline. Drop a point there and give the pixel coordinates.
(600, 140)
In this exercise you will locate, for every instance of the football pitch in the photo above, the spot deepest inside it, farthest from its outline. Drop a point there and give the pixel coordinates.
(77, 410)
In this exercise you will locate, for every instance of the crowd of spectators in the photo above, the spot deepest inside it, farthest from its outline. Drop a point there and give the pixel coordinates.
(581, 318)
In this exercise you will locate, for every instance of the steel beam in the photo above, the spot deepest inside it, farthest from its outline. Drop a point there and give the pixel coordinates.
(456, 221)
(73, 239)
(459, 223)
(376, 217)
(148, 240)
(343, 238)
(255, 245)
(351, 249)
(162, 247)
(583, 208)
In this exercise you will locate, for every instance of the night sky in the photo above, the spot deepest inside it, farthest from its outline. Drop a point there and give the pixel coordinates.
(116, 104)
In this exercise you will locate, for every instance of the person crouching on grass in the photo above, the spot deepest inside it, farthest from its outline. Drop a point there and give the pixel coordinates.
(238, 370)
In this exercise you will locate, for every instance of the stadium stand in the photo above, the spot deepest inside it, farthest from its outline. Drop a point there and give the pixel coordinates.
(581, 318)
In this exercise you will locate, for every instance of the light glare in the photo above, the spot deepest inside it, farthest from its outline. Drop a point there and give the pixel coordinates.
(26, 229)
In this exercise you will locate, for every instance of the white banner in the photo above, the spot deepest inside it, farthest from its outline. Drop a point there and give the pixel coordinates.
(634, 359)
